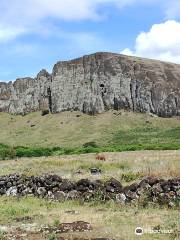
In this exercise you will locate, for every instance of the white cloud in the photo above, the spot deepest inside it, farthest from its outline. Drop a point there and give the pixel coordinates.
(9, 33)
(32, 15)
(37, 15)
(127, 51)
(161, 42)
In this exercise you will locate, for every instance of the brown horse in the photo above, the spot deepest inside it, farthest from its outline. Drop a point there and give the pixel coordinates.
(100, 157)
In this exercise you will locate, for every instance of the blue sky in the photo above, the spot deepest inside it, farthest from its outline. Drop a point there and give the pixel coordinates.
(35, 34)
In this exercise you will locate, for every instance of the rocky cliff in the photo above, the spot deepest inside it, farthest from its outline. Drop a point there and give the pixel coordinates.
(96, 83)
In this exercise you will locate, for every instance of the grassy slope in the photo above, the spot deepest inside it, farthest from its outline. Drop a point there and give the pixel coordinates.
(106, 129)
(68, 130)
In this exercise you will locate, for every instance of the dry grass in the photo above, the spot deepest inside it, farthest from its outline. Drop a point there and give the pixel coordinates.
(156, 163)
(108, 220)
(68, 130)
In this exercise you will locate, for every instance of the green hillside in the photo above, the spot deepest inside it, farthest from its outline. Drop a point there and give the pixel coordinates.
(73, 129)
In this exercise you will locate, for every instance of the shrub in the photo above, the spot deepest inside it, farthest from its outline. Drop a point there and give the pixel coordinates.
(130, 176)
(33, 152)
(52, 237)
(2, 235)
(90, 144)
(7, 153)
(56, 222)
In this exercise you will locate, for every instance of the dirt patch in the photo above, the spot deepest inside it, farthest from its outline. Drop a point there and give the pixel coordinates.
(76, 238)
(23, 219)
(78, 226)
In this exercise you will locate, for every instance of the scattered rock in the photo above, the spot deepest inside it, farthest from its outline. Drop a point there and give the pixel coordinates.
(121, 198)
(59, 196)
(171, 204)
(78, 226)
(72, 212)
(44, 112)
(95, 171)
(79, 171)
(133, 187)
(12, 191)
(41, 191)
(156, 189)
(113, 186)
(131, 195)
(23, 219)
(73, 195)
(66, 185)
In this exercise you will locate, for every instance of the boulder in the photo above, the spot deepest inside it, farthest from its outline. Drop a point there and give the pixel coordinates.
(66, 185)
(73, 195)
(113, 186)
(121, 198)
(41, 191)
(95, 171)
(131, 195)
(59, 196)
(156, 189)
(12, 191)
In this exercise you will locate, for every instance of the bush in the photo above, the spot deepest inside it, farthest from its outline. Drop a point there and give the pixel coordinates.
(52, 237)
(33, 152)
(7, 153)
(130, 176)
(90, 144)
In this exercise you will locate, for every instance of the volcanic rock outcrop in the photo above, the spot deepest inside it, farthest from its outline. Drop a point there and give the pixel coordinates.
(96, 83)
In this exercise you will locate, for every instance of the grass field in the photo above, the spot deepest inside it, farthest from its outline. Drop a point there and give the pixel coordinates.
(138, 164)
(108, 220)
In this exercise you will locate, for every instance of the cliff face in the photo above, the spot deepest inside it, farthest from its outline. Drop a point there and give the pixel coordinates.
(96, 83)
(25, 94)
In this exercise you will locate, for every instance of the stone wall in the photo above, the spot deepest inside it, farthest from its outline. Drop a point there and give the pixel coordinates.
(95, 83)
(53, 187)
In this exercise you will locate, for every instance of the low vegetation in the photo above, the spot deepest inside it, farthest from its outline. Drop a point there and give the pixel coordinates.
(108, 132)
(112, 131)
(66, 145)
(8, 152)
(125, 166)
(108, 219)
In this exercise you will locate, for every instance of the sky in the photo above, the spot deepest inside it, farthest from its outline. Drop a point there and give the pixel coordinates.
(35, 34)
